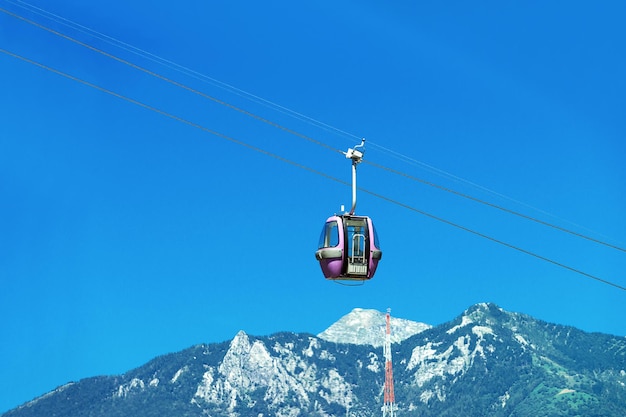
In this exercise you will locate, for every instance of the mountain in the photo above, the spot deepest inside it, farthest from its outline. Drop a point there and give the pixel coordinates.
(486, 362)
(367, 327)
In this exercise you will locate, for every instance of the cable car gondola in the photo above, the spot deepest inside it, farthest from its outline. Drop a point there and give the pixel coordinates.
(349, 247)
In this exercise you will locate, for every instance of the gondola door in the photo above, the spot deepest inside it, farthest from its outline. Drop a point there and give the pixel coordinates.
(357, 247)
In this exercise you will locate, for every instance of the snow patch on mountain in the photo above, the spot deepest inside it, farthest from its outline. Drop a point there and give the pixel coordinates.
(367, 327)
(429, 362)
(179, 373)
(503, 399)
(125, 389)
(375, 364)
(336, 389)
(522, 341)
(465, 320)
(313, 344)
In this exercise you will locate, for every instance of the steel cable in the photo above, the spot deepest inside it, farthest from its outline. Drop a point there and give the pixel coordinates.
(304, 167)
(293, 132)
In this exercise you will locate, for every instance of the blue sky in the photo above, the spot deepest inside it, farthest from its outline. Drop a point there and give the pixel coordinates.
(126, 234)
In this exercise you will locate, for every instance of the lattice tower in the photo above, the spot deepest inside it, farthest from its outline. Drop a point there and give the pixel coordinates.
(389, 402)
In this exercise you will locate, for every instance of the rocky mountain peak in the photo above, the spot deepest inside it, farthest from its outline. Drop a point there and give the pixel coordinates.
(486, 362)
(485, 313)
(367, 327)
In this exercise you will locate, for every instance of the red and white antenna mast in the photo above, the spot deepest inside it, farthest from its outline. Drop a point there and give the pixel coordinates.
(389, 402)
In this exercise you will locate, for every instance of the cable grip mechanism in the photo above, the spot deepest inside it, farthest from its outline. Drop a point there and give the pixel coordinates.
(356, 156)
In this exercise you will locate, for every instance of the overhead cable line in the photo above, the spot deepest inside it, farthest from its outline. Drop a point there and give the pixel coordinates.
(171, 81)
(493, 239)
(253, 97)
(304, 167)
(487, 203)
(180, 68)
(242, 93)
(166, 114)
(286, 129)
(456, 178)
(275, 106)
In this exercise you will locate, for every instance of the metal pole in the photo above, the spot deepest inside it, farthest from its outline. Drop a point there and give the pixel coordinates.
(353, 187)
